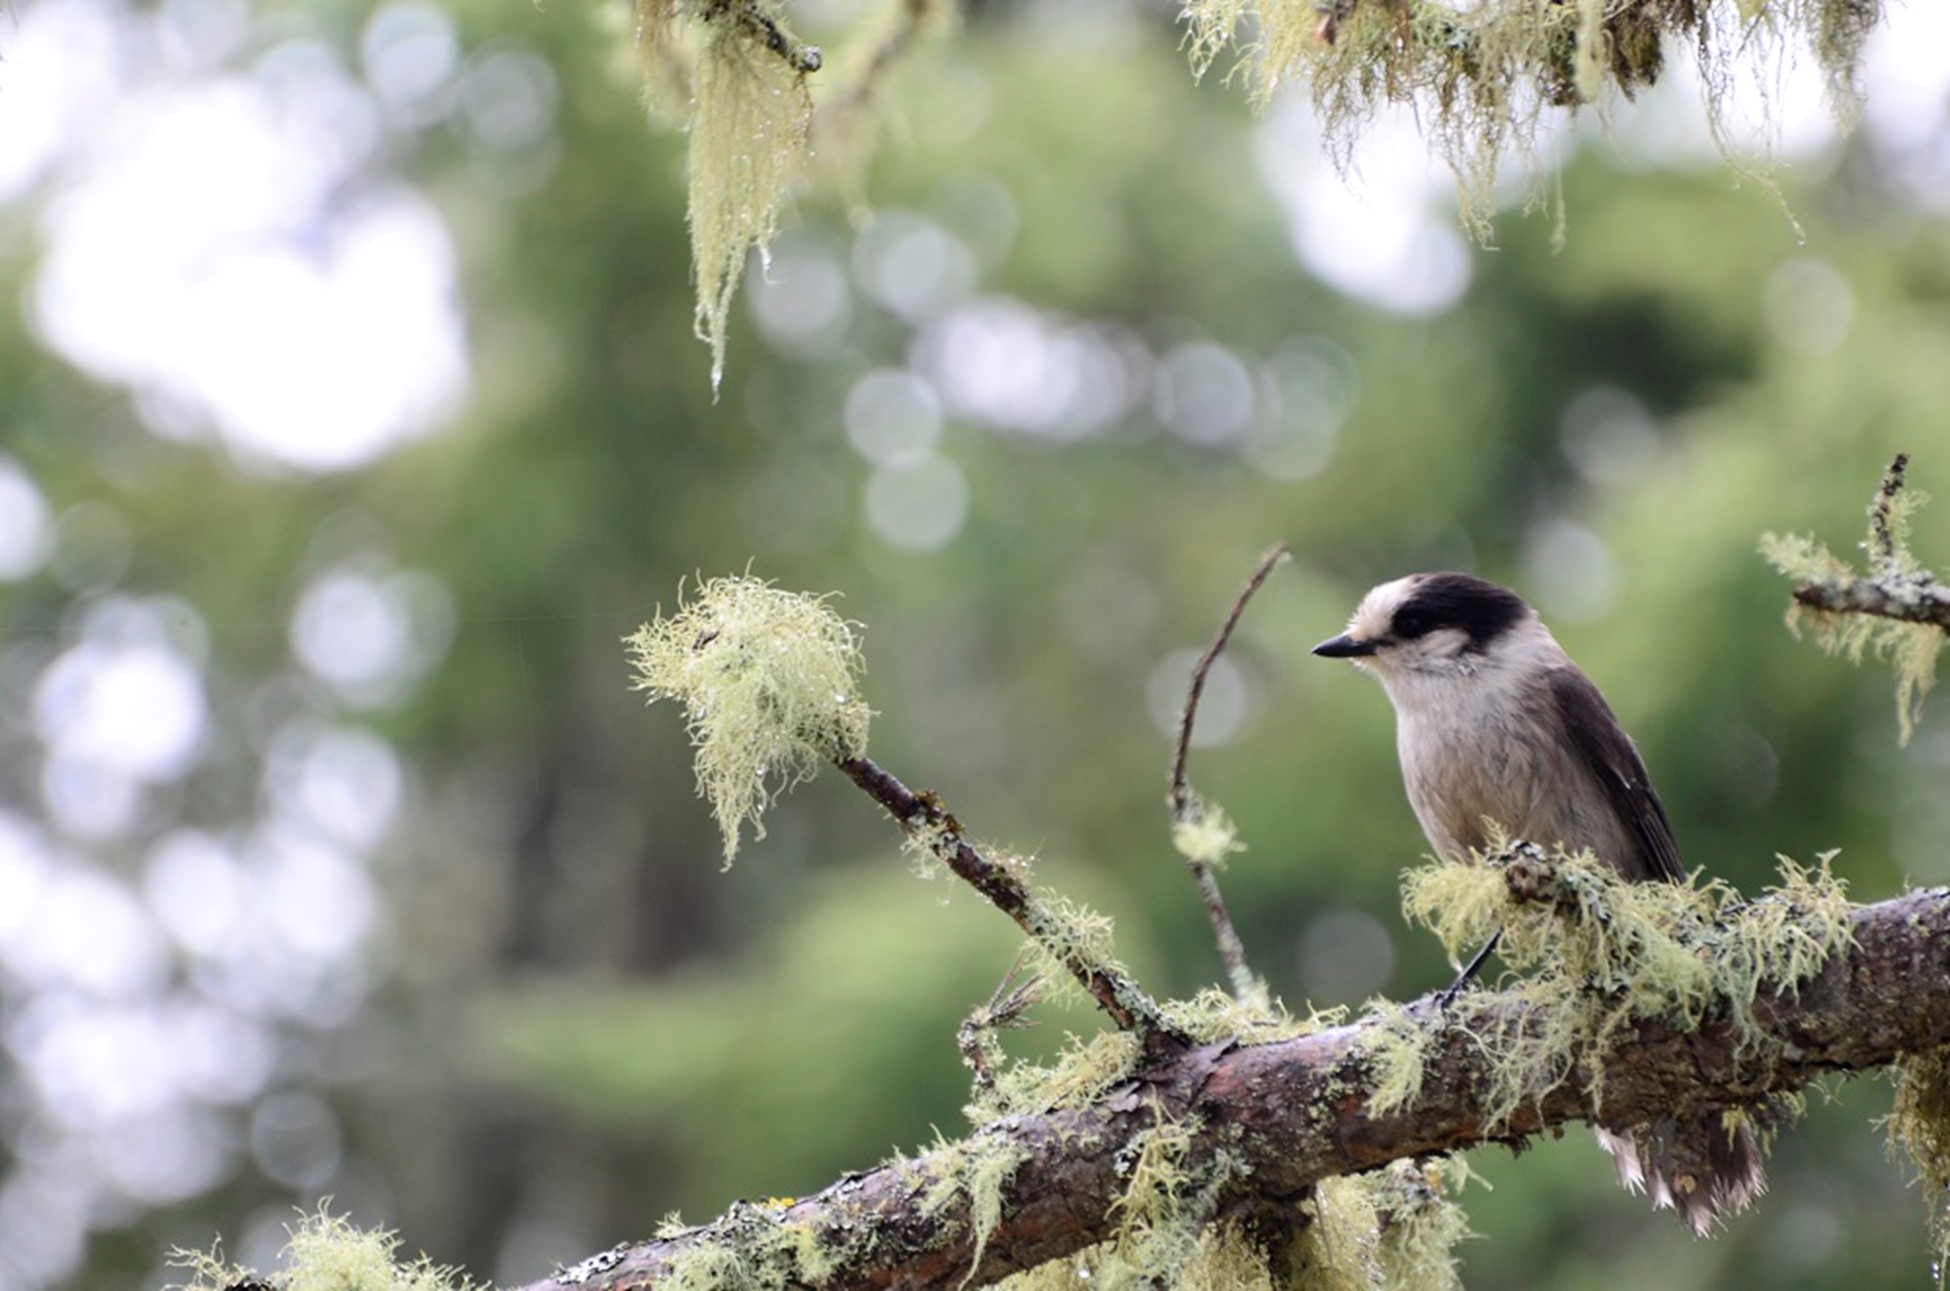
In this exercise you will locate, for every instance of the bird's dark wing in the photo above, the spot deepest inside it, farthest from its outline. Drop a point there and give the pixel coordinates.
(1615, 763)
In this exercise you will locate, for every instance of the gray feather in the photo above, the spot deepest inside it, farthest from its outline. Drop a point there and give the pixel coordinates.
(1614, 762)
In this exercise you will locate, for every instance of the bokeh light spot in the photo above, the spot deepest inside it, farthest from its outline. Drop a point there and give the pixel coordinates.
(25, 534)
(1223, 706)
(920, 505)
(892, 417)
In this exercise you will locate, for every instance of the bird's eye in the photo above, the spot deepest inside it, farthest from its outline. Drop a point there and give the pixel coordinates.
(1411, 623)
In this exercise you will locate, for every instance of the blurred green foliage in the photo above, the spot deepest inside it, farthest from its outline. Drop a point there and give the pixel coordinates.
(582, 1024)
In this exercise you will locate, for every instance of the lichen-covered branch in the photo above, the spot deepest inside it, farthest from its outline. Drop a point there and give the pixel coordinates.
(1289, 1114)
(1911, 599)
(769, 683)
(1898, 608)
(922, 817)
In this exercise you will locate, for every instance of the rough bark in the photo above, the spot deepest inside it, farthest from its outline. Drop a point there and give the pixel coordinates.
(1909, 598)
(1297, 1111)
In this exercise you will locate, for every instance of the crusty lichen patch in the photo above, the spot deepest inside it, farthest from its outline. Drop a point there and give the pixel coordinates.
(1594, 952)
(769, 682)
(759, 1247)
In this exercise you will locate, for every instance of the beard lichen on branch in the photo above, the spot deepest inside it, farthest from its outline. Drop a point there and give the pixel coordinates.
(1594, 954)
(750, 119)
(1898, 608)
(1919, 1127)
(769, 683)
(1482, 76)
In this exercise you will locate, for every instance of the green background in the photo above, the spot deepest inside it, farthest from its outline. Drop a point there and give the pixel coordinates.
(574, 1022)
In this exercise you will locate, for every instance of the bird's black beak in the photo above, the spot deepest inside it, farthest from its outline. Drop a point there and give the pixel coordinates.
(1344, 647)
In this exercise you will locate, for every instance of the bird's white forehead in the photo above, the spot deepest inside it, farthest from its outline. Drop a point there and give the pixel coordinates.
(1375, 615)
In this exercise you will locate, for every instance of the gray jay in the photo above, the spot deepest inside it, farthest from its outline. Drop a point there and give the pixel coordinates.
(1493, 722)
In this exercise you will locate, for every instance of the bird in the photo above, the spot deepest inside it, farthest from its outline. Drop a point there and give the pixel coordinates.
(1495, 725)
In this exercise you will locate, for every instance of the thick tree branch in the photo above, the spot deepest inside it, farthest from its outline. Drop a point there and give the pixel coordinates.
(1297, 1111)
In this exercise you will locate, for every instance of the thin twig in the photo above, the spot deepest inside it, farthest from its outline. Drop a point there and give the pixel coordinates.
(922, 815)
(1187, 807)
(1180, 790)
(893, 46)
(766, 29)
(1883, 560)
(1333, 14)
(1913, 599)
(1013, 996)
(1891, 590)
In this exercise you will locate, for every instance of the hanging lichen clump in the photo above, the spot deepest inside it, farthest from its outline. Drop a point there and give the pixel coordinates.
(750, 124)
(1482, 76)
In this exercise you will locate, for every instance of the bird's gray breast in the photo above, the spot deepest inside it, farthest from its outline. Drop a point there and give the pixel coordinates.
(1496, 751)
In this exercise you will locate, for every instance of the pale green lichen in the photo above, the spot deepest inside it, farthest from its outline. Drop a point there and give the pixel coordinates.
(1213, 1015)
(741, 74)
(1911, 648)
(1420, 1225)
(1591, 59)
(924, 843)
(326, 1253)
(769, 682)
(754, 1248)
(847, 125)
(1398, 1050)
(1210, 26)
(1897, 575)
(1225, 1259)
(1158, 1220)
(1205, 834)
(1076, 1077)
(1394, 1228)
(1919, 1126)
(1482, 76)
(979, 1169)
(1069, 940)
(1595, 952)
(1340, 1247)
(750, 133)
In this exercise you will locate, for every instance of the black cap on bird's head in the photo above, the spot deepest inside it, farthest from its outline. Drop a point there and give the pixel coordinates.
(1473, 611)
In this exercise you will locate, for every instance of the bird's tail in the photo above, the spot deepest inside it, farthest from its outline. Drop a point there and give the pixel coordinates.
(1704, 1169)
